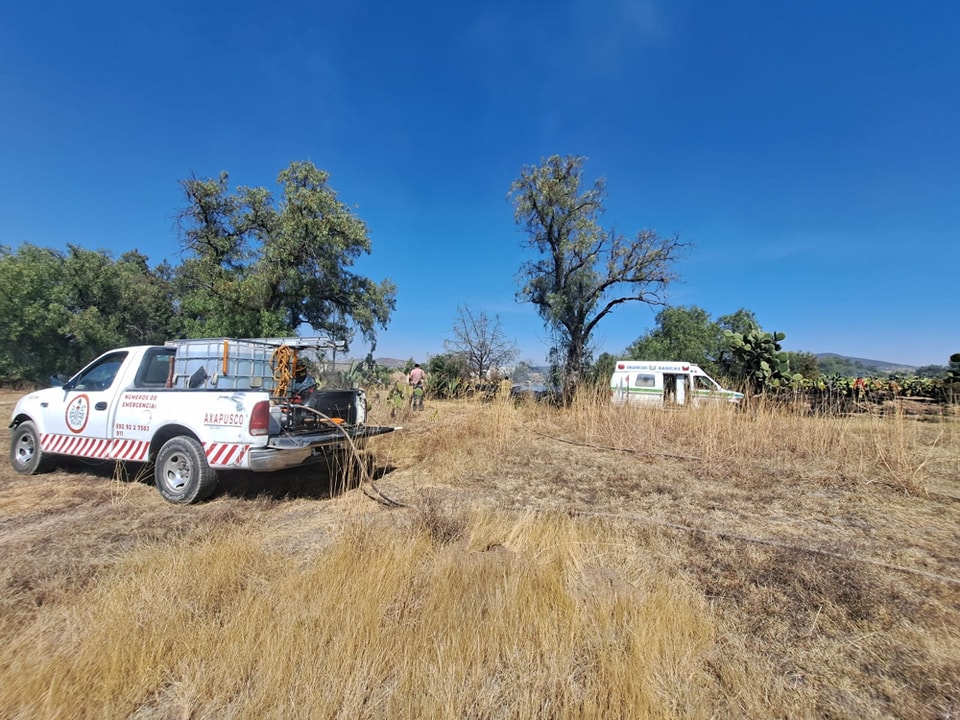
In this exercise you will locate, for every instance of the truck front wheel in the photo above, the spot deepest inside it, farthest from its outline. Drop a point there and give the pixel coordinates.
(181, 472)
(25, 454)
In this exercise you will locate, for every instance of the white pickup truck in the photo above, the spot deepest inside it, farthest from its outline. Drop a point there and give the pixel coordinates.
(191, 408)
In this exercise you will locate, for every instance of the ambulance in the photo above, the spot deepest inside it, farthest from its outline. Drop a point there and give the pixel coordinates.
(666, 383)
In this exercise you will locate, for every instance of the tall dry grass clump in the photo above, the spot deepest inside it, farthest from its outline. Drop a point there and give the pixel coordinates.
(518, 618)
(459, 437)
(770, 439)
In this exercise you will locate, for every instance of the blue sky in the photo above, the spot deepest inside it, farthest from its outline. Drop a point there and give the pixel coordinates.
(809, 151)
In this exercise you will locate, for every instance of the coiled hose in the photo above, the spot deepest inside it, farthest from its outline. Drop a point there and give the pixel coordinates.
(281, 362)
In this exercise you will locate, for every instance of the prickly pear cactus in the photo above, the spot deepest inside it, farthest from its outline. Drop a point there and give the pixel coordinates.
(760, 355)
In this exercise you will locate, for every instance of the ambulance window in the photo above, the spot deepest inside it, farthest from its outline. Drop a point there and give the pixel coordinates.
(701, 382)
(645, 381)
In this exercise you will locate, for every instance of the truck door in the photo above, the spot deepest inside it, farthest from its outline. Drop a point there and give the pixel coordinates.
(79, 420)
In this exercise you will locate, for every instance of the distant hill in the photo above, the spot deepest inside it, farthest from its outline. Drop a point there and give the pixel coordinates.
(391, 362)
(831, 363)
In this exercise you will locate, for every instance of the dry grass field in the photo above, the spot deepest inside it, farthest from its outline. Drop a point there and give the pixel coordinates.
(594, 563)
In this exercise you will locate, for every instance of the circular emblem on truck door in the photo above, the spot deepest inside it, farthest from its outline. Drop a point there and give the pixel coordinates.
(78, 412)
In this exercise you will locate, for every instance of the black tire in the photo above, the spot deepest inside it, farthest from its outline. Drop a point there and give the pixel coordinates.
(181, 472)
(25, 454)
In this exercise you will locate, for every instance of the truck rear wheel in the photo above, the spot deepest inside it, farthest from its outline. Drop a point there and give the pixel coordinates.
(181, 472)
(25, 454)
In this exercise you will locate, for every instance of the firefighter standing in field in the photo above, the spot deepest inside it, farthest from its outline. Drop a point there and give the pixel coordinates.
(859, 389)
(417, 380)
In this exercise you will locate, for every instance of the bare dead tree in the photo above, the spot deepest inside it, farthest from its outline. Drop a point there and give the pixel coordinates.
(481, 341)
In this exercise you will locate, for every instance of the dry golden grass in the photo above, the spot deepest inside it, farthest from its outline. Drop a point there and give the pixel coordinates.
(599, 562)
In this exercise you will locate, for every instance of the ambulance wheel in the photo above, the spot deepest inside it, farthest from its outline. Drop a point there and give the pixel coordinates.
(25, 454)
(181, 472)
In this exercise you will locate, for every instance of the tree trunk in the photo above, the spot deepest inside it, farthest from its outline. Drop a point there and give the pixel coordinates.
(571, 372)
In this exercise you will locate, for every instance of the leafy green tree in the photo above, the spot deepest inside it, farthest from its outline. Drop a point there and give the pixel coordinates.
(932, 371)
(602, 370)
(260, 267)
(582, 271)
(31, 314)
(741, 321)
(682, 333)
(448, 375)
(803, 363)
(220, 233)
(481, 341)
(60, 310)
(114, 303)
